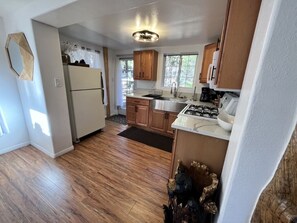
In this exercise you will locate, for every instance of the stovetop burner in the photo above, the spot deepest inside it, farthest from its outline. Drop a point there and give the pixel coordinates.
(202, 111)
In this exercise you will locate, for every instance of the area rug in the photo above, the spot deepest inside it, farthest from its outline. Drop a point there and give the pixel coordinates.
(121, 119)
(148, 138)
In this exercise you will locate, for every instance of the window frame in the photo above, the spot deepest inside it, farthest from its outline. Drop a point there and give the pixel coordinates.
(124, 94)
(180, 64)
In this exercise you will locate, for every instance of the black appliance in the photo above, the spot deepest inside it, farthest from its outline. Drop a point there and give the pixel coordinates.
(205, 94)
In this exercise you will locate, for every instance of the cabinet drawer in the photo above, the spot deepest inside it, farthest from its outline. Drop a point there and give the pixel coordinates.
(138, 101)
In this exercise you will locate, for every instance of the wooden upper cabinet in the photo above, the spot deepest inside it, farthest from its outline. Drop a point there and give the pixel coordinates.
(145, 65)
(207, 60)
(236, 40)
(137, 65)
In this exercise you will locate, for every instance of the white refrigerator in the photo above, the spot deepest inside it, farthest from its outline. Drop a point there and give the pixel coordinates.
(85, 94)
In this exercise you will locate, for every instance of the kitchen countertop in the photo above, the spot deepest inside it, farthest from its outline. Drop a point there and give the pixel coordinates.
(194, 125)
(134, 95)
(201, 126)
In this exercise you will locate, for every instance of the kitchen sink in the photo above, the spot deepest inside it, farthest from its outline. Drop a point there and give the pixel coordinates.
(159, 97)
(168, 105)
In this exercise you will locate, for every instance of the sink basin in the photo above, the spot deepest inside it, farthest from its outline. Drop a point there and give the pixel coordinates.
(168, 105)
(178, 99)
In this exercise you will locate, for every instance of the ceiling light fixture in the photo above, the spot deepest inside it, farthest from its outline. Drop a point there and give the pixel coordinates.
(145, 36)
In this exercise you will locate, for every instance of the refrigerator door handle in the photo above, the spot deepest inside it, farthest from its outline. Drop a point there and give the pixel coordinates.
(102, 97)
(102, 88)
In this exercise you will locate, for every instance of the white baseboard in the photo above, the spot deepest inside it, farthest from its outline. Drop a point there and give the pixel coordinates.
(64, 151)
(53, 155)
(11, 148)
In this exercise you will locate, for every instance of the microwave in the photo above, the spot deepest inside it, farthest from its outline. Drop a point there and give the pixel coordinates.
(212, 70)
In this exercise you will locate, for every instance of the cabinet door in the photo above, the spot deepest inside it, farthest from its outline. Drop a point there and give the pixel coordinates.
(171, 119)
(207, 60)
(236, 42)
(131, 114)
(137, 65)
(157, 120)
(142, 115)
(147, 65)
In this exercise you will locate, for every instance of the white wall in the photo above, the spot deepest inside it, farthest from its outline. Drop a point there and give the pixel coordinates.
(49, 56)
(112, 62)
(267, 111)
(32, 92)
(10, 104)
(170, 50)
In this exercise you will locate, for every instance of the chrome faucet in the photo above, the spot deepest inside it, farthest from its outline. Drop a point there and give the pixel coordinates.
(173, 89)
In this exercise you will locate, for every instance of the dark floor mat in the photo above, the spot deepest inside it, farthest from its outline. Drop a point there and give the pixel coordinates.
(121, 119)
(148, 138)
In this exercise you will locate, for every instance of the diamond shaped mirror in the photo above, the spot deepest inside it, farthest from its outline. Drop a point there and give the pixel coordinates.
(20, 56)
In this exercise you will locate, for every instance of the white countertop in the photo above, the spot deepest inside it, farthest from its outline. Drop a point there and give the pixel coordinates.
(200, 126)
(134, 95)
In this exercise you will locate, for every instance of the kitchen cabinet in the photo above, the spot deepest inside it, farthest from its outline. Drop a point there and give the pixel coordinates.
(145, 65)
(207, 60)
(161, 121)
(190, 146)
(170, 120)
(236, 40)
(137, 111)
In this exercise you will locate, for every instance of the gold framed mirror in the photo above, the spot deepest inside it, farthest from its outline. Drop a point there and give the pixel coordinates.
(20, 56)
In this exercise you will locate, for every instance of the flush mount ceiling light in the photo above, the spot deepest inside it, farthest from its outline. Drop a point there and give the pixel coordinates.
(145, 36)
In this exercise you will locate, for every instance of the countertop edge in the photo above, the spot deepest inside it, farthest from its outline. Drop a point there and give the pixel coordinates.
(188, 128)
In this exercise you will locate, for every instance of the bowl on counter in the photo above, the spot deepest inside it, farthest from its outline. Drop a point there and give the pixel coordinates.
(225, 120)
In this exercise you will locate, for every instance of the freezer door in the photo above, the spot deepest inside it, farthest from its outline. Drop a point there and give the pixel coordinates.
(89, 113)
(84, 78)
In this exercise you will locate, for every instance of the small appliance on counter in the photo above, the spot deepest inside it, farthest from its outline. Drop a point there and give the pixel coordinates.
(228, 103)
(205, 94)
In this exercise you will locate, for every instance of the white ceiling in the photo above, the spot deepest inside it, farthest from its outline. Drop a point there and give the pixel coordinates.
(111, 22)
(11, 5)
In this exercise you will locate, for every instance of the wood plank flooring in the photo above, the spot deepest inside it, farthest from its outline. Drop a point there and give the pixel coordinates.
(107, 178)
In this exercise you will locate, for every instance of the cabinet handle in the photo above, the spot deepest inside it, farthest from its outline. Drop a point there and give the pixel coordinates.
(136, 109)
(212, 75)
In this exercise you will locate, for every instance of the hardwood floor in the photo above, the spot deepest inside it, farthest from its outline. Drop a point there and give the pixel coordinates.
(107, 178)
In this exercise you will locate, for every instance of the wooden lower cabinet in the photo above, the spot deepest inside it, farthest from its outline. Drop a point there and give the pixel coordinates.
(190, 146)
(131, 114)
(171, 119)
(157, 120)
(161, 121)
(142, 113)
(137, 111)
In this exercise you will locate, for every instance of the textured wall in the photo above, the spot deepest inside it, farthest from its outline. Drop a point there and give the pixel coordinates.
(278, 202)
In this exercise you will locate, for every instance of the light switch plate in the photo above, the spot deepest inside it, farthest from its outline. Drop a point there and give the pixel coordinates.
(58, 82)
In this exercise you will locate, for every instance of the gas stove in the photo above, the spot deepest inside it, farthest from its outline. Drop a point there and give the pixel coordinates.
(201, 112)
